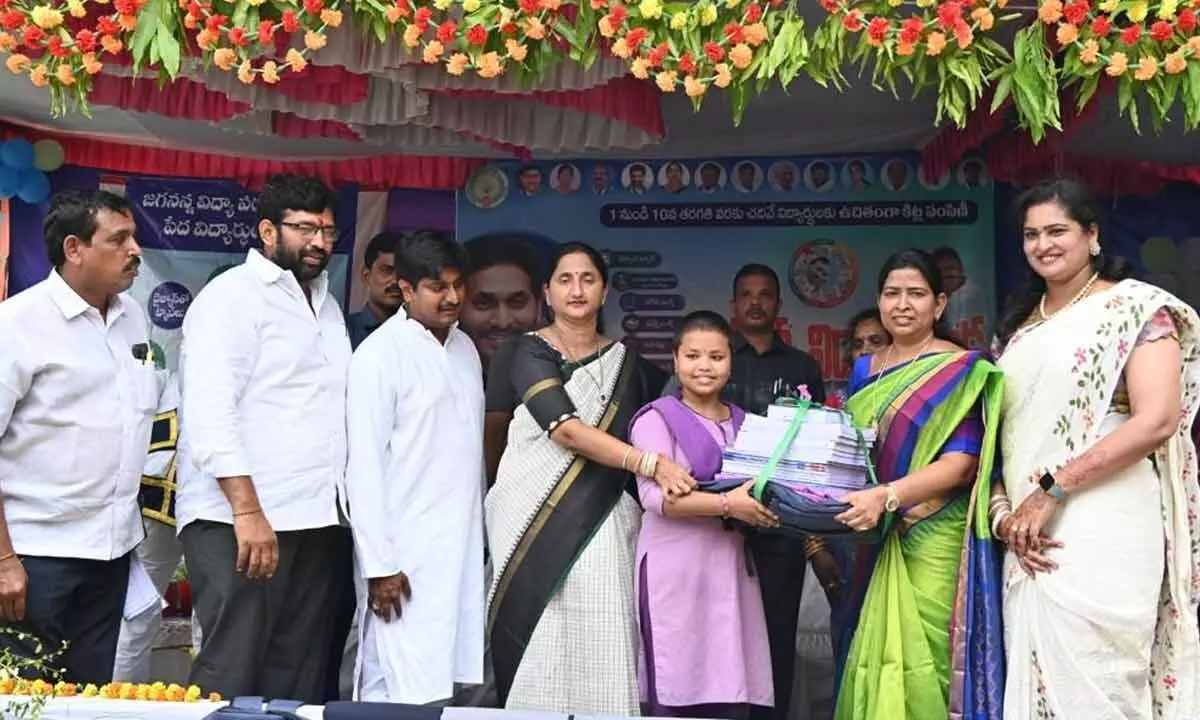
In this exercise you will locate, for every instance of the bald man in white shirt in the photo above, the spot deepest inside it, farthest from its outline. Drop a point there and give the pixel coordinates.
(77, 398)
(262, 457)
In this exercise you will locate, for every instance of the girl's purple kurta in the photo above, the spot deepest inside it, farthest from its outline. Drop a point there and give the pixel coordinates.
(704, 636)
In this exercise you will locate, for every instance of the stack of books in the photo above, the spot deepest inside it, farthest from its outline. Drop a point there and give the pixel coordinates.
(828, 458)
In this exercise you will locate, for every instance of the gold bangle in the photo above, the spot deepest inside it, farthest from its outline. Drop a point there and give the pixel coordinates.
(243, 513)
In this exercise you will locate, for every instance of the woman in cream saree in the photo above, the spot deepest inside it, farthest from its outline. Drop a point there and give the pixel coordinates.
(1111, 632)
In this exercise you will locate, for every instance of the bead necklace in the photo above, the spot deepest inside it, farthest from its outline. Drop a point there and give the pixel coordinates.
(1083, 291)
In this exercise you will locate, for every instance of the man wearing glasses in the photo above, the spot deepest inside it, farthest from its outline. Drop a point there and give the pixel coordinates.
(262, 455)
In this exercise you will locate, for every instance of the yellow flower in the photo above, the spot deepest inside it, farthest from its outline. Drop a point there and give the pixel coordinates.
(1138, 11)
(205, 39)
(640, 68)
(251, 3)
(693, 87)
(457, 64)
(129, 690)
(112, 46)
(1090, 52)
(270, 75)
(331, 17)
(516, 50)
(295, 60)
(1050, 11)
(1109, 6)
(650, 9)
(731, 4)
(665, 81)
(724, 76)
(1066, 34)
(756, 34)
(1118, 62)
(91, 65)
(741, 56)
(193, 694)
(46, 17)
(1193, 46)
(895, 3)
(17, 63)
(7, 42)
(245, 73)
(489, 65)
(392, 14)
(76, 8)
(535, 30)
(443, 4)
(224, 58)
(1147, 68)
(1001, 4)
(679, 21)
(708, 15)
(926, 3)
(143, 692)
(412, 36)
(1166, 11)
(620, 48)
(470, 5)
(506, 16)
(984, 17)
(314, 40)
(1175, 63)
(606, 27)
(433, 52)
(935, 43)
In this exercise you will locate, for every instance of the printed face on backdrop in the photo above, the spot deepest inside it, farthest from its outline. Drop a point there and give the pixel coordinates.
(531, 180)
(576, 289)
(953, 274)
(109, 262)
(710, 177)
(637, 178)
(302, 243)
(380, 279)
(896, 173)
(500, 304)
(435, 303)
(703, 362)
(1057, 247)
(600, 181)
(756, 303)
(820, 175)
(868, 338)
(908, 305)
(783, 176)
(856, 171)
(674, 178)
(747, 177)
(565, 181)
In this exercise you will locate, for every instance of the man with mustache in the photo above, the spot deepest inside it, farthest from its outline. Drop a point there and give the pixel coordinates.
(262, 456)
(415, 487)
(77, 399)
(383, 294)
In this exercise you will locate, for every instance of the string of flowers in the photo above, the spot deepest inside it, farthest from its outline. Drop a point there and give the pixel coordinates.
(153, 692)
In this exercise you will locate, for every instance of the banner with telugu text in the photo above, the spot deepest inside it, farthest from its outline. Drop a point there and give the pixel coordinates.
(676, 232)
(191, 231)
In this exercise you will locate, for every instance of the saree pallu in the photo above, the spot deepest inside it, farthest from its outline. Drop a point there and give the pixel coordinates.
(1111, 634)
(927, 637)
(562, 532)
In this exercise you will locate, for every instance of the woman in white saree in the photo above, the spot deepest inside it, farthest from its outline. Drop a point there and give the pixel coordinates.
(562, 517)
(1100, 499)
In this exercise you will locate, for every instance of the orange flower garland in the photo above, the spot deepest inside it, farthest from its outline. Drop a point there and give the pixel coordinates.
(155, 692)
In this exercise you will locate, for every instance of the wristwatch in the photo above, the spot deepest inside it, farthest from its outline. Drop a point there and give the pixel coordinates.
(892, 504)
(1051, 487)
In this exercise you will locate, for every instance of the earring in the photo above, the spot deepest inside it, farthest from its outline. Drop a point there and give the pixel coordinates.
(1095, 249)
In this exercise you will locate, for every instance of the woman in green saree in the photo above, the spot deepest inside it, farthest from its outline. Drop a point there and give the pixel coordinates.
(925, 606)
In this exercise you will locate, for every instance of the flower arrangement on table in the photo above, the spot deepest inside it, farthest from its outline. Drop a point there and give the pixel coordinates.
(153, 692)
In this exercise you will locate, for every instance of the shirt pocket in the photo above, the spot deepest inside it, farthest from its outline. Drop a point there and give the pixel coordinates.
(144, 387)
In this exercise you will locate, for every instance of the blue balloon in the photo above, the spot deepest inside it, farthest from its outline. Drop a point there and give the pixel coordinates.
(35, 186)
(17, 153)
(10, 182)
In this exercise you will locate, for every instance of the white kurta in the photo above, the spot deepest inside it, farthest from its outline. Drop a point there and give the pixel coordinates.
(415, 484)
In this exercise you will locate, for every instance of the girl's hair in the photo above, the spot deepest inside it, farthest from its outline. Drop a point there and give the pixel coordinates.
(922, 262)
(575, 248)
(703, 320)
(1078, 202)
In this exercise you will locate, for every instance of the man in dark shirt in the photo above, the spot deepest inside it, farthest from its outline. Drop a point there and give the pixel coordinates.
(383, 294)
(764, 368)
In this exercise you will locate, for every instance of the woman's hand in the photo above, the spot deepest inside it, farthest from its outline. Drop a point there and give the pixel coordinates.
(673, 480)
(1032, 556)
(743, 506)
(866, 507)
(1029, 521)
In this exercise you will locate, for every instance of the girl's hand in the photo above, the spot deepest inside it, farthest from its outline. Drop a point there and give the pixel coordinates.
(743, 506)
(673, 480)
(866, 507)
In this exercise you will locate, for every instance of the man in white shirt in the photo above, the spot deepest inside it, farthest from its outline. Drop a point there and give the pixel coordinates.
(262, 455)
(77, 397)
(415, 486)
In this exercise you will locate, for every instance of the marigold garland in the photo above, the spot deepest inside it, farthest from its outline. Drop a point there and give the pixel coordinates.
(1150, 48)
(153, 692)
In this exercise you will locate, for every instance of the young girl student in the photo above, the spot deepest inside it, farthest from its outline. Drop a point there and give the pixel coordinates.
(704, 649)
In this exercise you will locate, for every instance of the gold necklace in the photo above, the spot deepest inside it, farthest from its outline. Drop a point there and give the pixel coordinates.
(567, 353)
(887, 365)
(1083, 291)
